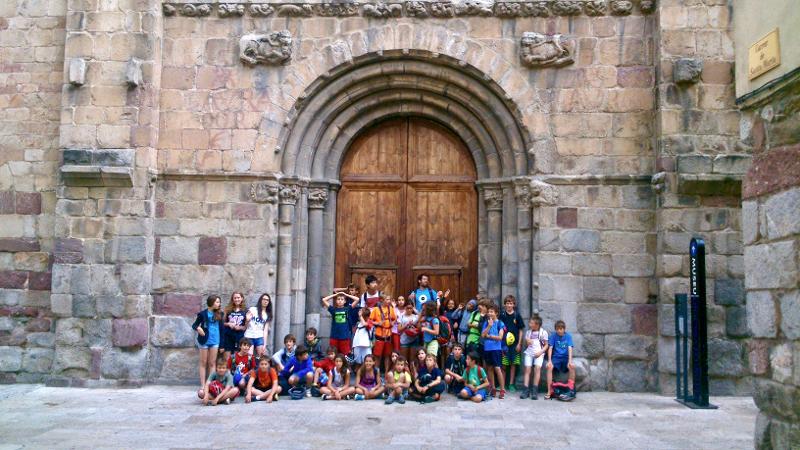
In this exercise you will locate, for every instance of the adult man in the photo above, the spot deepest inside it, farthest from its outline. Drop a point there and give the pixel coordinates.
(423, 293)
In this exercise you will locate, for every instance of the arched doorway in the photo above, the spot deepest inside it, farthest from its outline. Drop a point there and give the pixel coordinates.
(408, 205)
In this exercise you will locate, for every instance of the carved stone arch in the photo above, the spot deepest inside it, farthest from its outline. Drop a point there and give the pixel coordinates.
(374, 87)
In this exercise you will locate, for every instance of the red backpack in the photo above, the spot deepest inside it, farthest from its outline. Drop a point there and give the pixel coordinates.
(445, 330)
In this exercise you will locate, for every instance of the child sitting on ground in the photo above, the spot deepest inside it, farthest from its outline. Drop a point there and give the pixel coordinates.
(429, 385)
(313, 345)
(368, 379)
(262, 383)
(241, 363)
(560, 356)
(536, 340)
(398, 380)
(298, 371)
(454, 369)
(475, 379)
(219, 386)
(282, 356)
(323, 367)
(492, 336)
(338, 387)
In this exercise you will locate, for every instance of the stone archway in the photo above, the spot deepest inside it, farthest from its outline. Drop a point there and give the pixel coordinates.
(371, 89)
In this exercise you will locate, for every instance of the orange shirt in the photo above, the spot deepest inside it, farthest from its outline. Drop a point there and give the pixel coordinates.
(383, 326)
(264, 379)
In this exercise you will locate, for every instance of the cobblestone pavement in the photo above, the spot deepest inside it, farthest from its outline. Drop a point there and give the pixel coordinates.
(171, 417)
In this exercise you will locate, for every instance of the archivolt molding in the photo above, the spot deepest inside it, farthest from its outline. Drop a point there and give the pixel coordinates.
(413, 8)
(379, 86)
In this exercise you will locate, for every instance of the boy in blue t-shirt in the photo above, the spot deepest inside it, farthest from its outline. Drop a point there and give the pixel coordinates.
(492, 334)
(560, 356)
(341, 330)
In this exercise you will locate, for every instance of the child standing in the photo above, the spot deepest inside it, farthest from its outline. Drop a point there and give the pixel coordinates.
(382, 318)
(341, 331)
(492, 350)
(398, 380)
(362, 345)
(241, 363)
(463, 322)
(338, 387)
(560, 356)
(454, 369)
(298, 371)
(476, 380)
(429, 325)
(234, 326)
(514, 326)
(372, 296)
(399, 309)
(474, 326)
(282, 356)
(313, 345)
(409, 333)
(263, 383)
(207, 324)
(536, 339)
(219, 386)
(429, 384)
(257, 324)
(368, 380)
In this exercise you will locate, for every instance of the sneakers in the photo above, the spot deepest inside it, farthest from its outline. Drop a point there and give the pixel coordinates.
(534, 395)
(227, 401)
(502, 394)
(308, 393)
(359, 397)
(525, 393)
(401, 400)
(348, 397)
(429, 399)
(512, 388)
(494, 392)
(324, 397)
(389, 400)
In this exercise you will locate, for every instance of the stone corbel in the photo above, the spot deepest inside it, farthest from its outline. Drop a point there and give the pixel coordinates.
(274, 48)
(522, 192)
(543, 194)
(546, 50)
(317, 197)
(289, 194)
(493, 198)
(264, 192)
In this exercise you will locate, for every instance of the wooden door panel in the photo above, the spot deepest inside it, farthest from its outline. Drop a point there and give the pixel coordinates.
(439, 224)
(387, 278)
(379, 154)
(435, 154)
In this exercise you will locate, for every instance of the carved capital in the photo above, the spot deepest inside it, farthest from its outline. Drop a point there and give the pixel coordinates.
(543, 50)
(567, 7)
(317, 197)
(595, 7)
(522, 192)
(416, 9)
(383, 10)
(264, 192)
(260, 10)
(230, 10)
(647, 6)
(195, 9)
(273, 48)
(288, 194)
(493, 198)
(543, 193)
(621, 7)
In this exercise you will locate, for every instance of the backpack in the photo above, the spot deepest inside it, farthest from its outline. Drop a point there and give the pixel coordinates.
(445, 330)
(563, 392)
(363, 302)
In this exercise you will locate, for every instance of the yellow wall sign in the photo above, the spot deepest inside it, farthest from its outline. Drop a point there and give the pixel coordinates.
(764, 55)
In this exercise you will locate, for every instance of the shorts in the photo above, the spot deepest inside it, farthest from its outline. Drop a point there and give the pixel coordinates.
(238, 376)
(207, 345)
(517, 359)
(341, 345)
(462, 339)
(256, 342)
(395, 342)
(382, 348)
(360, 353)
(560, 364)
(472, 393)
(432, 347)
(493, 358)
(230, 341)
(531, 361)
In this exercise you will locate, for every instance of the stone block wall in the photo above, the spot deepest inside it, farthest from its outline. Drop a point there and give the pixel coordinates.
(699, 167)
(771, 219)
(31, 67)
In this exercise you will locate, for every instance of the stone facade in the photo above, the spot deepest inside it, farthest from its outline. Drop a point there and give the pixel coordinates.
(125, 203)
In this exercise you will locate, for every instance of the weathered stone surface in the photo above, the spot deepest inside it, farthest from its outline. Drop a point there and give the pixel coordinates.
(172, 332)
(179, 250)
(130, 332)
(124, 363)
(604, 318)
(780, 362)
(790, 315)
(19, 245)
(777, 400)
(736, 321)
(687, 70)
(177, 365)
(10, 359)
(628, 376)
(781, 214)
(41, 340)
(592, 345)
(761, 318)
(591, 264)
(645, 319)
(135, 278)
(186, 305)
(602, 289)
(633, 265)
(38, 360)
(212, 250)
(564, 288)
(727, 360)
(729, 291)
(778, 254)
(621, 346)
(578, 240)
(567, 217)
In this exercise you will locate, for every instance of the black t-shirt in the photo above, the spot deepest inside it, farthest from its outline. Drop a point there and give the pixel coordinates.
(456, 365)
(426, 377)
(513, 323)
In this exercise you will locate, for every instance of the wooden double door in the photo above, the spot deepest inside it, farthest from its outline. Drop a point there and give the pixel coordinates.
(408, 205)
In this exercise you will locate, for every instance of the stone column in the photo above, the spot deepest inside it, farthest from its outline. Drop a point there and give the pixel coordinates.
(524, 241)
(317, 197)
(287, 198)
(510, 273)
(493, 198)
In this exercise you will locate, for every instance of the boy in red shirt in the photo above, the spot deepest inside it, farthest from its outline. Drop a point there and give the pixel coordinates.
(324, 366)
(241, 363)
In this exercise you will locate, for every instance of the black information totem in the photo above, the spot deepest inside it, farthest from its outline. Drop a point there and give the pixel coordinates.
(698, 399)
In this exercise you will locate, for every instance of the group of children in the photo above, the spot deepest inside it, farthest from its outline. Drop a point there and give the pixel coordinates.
(382, 347)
